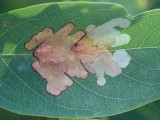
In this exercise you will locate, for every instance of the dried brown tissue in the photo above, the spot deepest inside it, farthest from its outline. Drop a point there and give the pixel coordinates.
(62, 56)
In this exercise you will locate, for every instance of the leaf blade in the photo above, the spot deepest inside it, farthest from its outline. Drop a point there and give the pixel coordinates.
(84, 98)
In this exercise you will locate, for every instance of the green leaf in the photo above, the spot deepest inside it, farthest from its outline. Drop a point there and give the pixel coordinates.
(23, 91)
(134, 7)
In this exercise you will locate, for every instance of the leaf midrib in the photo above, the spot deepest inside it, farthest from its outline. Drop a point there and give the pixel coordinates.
(20, 54)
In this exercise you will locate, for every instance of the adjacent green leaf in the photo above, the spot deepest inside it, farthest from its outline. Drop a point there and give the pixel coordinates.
(23, 91)
(134, 7)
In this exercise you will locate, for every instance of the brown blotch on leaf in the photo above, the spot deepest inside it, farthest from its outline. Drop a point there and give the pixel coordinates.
(87, 51)
(57, 62)
(39, 38)
(62, 56)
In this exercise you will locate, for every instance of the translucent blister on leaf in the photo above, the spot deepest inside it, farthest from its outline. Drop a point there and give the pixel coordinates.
(100, 39)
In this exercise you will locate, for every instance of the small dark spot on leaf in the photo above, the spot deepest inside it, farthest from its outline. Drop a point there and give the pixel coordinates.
(6, 24)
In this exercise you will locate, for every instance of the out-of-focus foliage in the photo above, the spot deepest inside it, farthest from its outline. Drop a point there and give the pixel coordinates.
(135, 6)
(6, 115)
(147, 112)
(7, 5)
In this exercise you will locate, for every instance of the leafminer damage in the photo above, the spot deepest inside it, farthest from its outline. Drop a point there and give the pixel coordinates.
(62, 56)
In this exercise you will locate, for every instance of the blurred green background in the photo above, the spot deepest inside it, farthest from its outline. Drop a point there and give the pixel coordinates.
(7, 5)
(147, 112)
(135, 6)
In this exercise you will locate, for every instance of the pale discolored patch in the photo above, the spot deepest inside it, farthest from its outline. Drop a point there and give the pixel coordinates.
(93, 49)
(111, 65)
(107, 34)
(57, 62)
(62, 56)
(104, 64)
(39, 38)
(122, 39)
(57, 81)
(122, 58)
